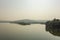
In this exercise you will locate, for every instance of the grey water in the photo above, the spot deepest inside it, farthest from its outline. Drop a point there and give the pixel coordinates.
(28, 32)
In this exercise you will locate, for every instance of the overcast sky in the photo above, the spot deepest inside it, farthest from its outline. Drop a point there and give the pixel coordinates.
(29, 9)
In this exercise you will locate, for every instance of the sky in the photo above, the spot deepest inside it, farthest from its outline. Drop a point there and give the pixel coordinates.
(29, 9)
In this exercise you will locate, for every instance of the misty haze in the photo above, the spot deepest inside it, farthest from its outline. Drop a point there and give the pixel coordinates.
(30, 19)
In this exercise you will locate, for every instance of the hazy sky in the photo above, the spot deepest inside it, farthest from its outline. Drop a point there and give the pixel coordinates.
(29, 9)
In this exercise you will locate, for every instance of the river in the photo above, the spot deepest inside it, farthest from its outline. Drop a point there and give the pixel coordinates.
(28, 32)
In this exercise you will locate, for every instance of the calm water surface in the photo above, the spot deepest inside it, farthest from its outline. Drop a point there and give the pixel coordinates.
(35, 31)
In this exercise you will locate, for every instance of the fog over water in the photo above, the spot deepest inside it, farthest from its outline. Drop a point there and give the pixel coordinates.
(28, 9)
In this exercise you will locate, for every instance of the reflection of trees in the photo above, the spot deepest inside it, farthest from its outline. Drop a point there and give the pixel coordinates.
(53, 28)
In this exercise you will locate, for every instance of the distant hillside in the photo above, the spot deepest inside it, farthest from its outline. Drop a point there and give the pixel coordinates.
(31, 21)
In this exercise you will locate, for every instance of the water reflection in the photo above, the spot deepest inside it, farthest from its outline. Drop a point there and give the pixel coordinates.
(33, 32)
(13, 31)
(55, 30)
